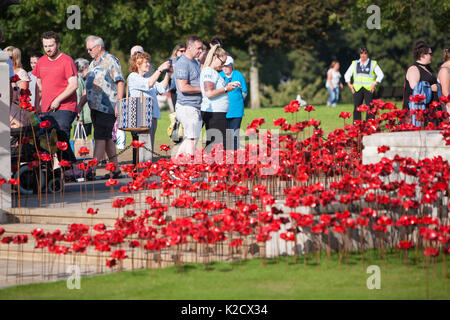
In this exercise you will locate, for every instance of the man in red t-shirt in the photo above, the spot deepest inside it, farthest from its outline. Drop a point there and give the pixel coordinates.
(56, 87)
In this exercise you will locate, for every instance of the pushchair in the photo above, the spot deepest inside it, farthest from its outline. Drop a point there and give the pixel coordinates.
(34, 174)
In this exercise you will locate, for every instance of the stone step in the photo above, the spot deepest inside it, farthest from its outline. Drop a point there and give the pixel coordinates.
(64, 219)
(66, 216)
(82, 261)
(14, 229)
(92, 257)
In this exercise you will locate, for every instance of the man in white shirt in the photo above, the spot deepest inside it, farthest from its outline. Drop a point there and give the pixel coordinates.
(367, 75)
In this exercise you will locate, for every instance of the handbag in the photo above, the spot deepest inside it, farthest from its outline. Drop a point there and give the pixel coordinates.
(135, 113)
(175, 129)
(80, 140)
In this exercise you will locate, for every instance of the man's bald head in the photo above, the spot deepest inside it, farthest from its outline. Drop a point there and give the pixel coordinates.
(136, 49)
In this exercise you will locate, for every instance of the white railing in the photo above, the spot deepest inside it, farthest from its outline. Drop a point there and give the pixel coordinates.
(5, 149)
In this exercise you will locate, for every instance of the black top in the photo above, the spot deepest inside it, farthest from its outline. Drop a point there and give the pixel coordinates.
(424, 76)
(360, 69)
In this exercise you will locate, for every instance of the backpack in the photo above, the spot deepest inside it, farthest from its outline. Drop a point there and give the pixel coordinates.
(422, 88)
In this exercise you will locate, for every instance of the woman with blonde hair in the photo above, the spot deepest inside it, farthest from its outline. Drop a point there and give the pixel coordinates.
(444, 76)
(177, 51)
(18, 117)
(215, 101)
(333, 83)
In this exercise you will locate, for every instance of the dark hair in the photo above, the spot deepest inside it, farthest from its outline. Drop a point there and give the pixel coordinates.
(363, 49)
(191, 39)
(420, 48)
(36, 54)
(215, 41)
(51, 35)
(333, 63)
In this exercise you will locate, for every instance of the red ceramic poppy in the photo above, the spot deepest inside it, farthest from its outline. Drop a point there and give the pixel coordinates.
(61, 145)
(92, 211)
(45, 124)
(137, 144)
(164, 147)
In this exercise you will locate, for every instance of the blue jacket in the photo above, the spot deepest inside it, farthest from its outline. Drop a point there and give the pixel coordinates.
(236, 96)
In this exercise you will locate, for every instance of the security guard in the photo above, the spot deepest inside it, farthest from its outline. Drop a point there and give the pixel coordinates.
(366, 75)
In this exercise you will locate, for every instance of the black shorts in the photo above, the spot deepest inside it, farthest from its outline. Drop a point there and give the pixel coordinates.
(103, 124)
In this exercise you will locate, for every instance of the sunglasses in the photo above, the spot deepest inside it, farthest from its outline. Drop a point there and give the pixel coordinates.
(182, 50)
(223, 62)
(90, 49)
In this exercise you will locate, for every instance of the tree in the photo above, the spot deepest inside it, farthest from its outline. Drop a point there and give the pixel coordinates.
(157, 25)
(400, 15)
(256, 25)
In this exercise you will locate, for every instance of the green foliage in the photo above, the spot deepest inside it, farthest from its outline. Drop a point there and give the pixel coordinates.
(296, 40)
(155, 24)
(281, 24)
(400, 15)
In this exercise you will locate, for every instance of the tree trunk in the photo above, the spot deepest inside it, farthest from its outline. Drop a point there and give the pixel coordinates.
(254, 77)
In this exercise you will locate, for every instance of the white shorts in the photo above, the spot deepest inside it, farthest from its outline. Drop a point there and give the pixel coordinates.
(191, 120)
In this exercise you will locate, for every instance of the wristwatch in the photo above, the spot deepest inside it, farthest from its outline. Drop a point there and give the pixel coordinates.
(225, 89)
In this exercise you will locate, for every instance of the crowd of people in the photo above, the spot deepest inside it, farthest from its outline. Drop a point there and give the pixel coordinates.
(68, 93)
(367, 74)
(204, 88)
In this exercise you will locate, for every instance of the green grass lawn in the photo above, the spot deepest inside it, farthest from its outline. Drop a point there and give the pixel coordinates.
(252, 280)
(329, 118)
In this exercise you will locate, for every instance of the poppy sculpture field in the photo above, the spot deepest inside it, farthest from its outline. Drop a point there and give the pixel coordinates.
(223, 211)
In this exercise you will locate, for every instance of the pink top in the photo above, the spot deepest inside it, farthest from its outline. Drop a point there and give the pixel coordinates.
(54, 75)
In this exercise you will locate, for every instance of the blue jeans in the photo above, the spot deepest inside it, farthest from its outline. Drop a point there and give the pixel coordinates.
(234, 124)
(334, 96)
(62, 119)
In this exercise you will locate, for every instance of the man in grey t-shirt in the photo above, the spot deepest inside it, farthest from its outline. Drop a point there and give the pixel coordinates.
(189, 96)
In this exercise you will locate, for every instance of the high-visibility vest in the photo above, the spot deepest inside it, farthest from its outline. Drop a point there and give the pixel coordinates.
(363, 77)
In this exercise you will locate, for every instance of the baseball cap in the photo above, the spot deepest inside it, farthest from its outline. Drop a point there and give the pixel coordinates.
(229, 61)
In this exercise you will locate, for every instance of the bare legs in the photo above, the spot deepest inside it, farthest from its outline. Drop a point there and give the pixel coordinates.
(108, 146)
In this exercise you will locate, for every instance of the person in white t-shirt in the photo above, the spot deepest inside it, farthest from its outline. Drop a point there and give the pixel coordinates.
(333, 84)
(18, 117)
(34, 57)
(215, 102)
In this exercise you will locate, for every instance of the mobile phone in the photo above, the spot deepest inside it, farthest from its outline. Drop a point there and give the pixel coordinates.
(170, 61)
